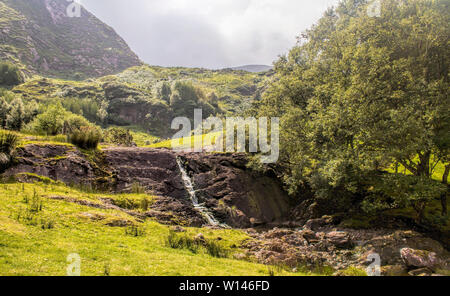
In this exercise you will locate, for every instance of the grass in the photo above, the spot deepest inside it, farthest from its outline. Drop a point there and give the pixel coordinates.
(438, 171)
(204, 140)
(31, 249)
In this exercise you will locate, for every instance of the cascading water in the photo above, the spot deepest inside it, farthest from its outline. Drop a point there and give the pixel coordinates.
(199, 207)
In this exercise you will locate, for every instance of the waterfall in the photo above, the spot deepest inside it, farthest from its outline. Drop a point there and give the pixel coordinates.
(199, 207)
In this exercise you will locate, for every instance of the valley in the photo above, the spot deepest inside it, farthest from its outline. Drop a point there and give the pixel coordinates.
(358, 120)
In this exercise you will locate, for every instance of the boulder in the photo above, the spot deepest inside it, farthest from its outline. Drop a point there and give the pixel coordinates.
(419, 258)
(340, 239)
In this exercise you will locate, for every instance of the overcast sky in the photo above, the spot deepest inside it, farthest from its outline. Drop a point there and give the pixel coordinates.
(209, 33)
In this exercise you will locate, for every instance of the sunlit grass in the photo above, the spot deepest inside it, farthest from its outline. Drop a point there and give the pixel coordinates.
(27, 249)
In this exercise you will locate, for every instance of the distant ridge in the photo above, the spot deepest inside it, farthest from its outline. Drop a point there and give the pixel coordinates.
(253, 68)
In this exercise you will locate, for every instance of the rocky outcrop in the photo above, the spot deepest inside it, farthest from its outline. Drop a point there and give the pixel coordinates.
(234, 194)
(42, 36)
(341, 248)
(57, 162)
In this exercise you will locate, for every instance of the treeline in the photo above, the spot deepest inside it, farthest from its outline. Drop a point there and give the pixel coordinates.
(364, 106)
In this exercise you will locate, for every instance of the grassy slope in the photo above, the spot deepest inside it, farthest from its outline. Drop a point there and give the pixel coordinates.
(30, 250)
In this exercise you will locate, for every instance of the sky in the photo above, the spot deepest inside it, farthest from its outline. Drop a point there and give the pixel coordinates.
(209, 33)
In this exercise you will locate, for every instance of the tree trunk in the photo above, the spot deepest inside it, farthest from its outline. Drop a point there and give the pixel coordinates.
(423, 167)
(444, 195)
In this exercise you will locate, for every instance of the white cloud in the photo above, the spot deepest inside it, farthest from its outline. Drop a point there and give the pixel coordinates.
(209, 33)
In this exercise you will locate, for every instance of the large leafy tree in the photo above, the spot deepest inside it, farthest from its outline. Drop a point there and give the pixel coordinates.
(361, 92)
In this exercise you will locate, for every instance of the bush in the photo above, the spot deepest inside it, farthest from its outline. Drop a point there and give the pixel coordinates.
(10, 74)
(400, 191)
(87, 137)
(213, 248)
(118, 136)
(56, 120)
(8, 142)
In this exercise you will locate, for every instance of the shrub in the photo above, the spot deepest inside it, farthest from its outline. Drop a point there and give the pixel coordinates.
(56, 120)
(8, 142)
(135, 230)
(137, 188)
(401, 191)
(176, 241)
(4, 111)
(10, 74)
(86, 137)
(213, 248)
(16, 115)
(51, 122)
(118, 136)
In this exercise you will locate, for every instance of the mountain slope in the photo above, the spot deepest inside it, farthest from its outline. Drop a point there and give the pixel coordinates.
(253, 68)
(40, 35)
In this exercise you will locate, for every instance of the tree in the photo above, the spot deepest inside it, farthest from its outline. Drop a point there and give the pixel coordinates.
(165, 91)
(360, 93)
(10, 74)
(4, 110)
(16, 115)
(57, 120)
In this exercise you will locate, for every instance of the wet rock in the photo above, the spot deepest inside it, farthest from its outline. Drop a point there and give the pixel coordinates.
(309, 235)
(316, 224)
(340, 239)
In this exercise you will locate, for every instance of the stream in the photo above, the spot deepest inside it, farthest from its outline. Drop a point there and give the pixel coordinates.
(188, 185)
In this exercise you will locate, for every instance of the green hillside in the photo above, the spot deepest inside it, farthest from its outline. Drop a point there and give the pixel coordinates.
(38, 35)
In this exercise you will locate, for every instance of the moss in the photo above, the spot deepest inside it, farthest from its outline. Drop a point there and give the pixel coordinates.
(358, 222)
(352, 271)
(38, 178)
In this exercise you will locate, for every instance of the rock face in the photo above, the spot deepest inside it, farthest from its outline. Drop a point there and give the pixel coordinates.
(41, 35)
(235, 195)
(59, 163)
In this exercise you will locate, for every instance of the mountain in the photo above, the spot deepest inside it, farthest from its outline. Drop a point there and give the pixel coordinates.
(253, 68)
(39, 35)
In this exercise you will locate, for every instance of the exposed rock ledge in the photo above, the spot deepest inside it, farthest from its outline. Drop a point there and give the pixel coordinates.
(235, 195)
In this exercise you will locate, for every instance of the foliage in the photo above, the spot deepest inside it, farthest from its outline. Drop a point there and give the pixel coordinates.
(186, 97)
(183, 241)
(118, 136)
(56, 120)
(359, 93)
(8, 142)
(88, 108)
(400, 191)
(85, 137)
(10, 74)
(16, 113)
